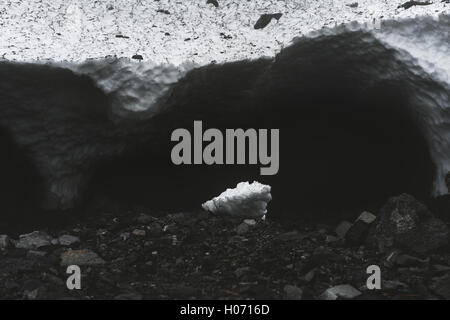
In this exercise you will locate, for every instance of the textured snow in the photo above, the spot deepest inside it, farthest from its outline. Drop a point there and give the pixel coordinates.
(76, 30)
(246, 200)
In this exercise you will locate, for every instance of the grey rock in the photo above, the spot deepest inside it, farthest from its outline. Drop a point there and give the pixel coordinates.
(393, 285)
(128, 296)
(242, 229)
(441, 268)
(145, 219)
(289, 236)
(33, 240)
(344, 291)
(4, 242)
(292, 292)
(239, 272)
(410, 261)
(342, 228)
(441, 287)
(406, 223)
(36, 254)
(80, 258)
(68, 240)
(250, 222)
(356, 234)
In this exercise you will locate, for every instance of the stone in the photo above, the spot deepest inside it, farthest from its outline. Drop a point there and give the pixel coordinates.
(356, 234)
(292, 292)
(407, 224)
(343, 291)
(239, 272)
(128, 296)
(441, 268)
(83, 257)
(213, 2)
(242, 229)
(68, 240)
(139, 233)
(33, 240)
(265, 19)
(250, 222)
(392, 285)
(410, 261)
(4, 242)
(441, 287)
(145, 219)
(36, 254)
(290, 235)
(342, 228)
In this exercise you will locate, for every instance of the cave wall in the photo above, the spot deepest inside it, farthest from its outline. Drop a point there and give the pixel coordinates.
(351, 130)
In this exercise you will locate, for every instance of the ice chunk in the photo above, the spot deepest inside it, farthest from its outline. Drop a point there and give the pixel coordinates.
(246, 200)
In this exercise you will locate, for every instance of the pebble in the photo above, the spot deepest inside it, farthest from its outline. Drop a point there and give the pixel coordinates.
(242, 229)
(4, 242)
(80, 258)
(68, 240)
(292, 292)
(344, 291)
(33, 240)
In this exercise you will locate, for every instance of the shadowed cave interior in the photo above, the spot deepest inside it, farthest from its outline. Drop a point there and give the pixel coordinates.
(344, 148)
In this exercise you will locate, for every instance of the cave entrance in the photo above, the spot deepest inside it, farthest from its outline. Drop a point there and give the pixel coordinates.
(348, 140)
(19, 186)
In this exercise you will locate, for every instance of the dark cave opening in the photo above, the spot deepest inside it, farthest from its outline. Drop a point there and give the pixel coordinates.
(348, 141)
(343, 149)
(20, 191)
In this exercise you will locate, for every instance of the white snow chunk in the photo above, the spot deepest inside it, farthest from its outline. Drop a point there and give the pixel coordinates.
(246, 200)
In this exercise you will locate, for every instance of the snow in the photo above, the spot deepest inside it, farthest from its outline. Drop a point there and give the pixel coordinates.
(246, 200)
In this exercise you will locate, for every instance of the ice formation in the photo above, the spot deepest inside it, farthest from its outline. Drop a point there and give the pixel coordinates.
(246, 200)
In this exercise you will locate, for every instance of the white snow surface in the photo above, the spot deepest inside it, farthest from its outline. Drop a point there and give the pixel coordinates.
(77, 30)
(246, 200)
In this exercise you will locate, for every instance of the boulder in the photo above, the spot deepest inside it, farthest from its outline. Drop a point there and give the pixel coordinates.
(80, 258)
(34, 240)
(358, 231)
(405, 223)
(344, 291)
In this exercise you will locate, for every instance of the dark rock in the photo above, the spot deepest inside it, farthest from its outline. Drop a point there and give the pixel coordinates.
(358, 231)
(242, 228)
(442, 287)
(4, 242)
(410, 261)
(213, 2)
(80, 258)
(265, 19)
(163, 11)
(289, 236)
(353, 5)
(292, 292)
(128, 296)
(34, 240)
(412, 3)
(137, 57)
(406, 223)
(68, 240)
(343, 291)
(342, 228)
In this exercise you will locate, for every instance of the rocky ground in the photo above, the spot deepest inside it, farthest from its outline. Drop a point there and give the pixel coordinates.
(200, 255)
